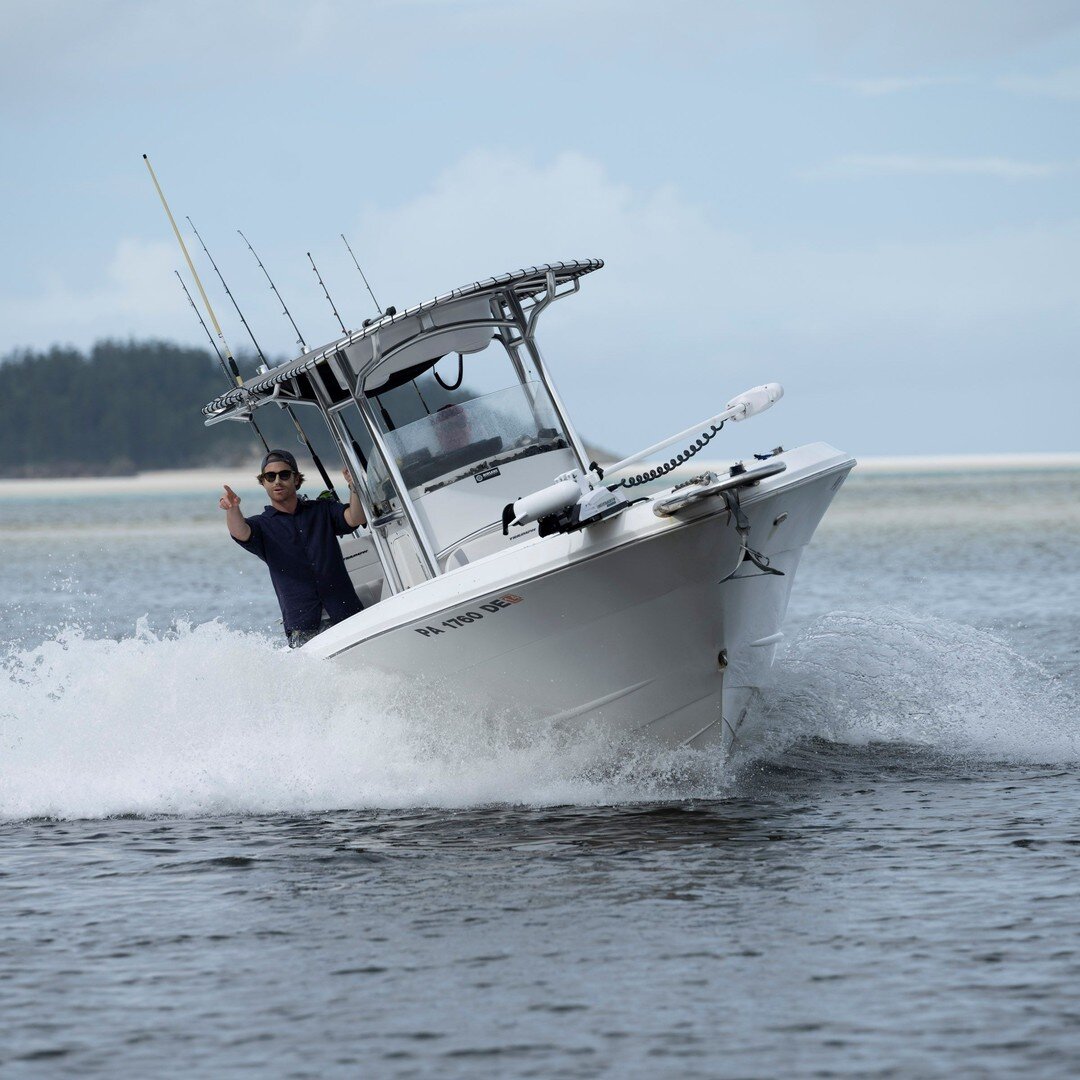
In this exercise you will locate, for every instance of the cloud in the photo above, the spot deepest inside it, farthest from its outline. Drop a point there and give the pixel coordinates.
(914, 33)
(133, 294)
(689, 309)
(882, 86)
(675, 270)
(855, 166)
(1063, 84)
(54, 50)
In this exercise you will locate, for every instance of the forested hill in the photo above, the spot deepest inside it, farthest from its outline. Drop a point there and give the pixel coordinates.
(127, 406)
(131, 406)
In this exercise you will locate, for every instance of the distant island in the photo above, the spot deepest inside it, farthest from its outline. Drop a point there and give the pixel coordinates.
(122, 408)
(127, 407)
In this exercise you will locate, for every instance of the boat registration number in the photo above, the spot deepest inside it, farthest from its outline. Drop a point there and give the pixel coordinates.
(467, 618)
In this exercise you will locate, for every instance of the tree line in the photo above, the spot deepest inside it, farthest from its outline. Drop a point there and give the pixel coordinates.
(130, 406)
(120, 408)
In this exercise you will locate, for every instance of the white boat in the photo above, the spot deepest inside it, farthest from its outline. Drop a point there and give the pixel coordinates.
(504, 564)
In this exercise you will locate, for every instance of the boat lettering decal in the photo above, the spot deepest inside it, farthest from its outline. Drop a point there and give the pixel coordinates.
(466, 618)
(487, 474)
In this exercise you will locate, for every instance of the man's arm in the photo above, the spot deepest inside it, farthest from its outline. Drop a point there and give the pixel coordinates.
(239, 529)
(354, 512)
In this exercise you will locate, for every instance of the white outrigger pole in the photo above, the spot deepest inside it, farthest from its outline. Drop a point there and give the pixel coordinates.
(233, 369)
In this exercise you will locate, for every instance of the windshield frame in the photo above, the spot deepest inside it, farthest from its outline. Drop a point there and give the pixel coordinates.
(514, 329)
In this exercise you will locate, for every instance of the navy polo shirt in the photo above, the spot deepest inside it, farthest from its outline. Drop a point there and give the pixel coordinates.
(305, 561)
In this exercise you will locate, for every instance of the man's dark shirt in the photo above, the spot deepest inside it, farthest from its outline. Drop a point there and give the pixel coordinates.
(305, 561)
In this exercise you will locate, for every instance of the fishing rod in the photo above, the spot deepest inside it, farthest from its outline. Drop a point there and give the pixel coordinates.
(232, 370)
(262, 356)
(228, 364)
(228, 293)
(285, 311)
(363, 275)
(213, 345)
(326, 293)
(416, 385)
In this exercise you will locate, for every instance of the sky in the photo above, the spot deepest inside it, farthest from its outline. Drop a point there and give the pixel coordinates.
(876, 204)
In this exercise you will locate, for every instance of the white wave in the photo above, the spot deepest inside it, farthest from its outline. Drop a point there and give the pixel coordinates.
(204, 720)
(894, 676)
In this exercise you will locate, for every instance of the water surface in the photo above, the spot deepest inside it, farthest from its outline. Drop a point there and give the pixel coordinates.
(215, 859)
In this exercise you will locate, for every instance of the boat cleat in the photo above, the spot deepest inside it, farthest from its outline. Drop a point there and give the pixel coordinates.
(711, 484)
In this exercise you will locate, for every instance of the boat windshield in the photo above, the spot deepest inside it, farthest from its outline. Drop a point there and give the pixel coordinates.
(464, 438)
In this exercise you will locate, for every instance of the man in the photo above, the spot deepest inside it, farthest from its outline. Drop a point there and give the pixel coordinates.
(297, 539)
(452, 428)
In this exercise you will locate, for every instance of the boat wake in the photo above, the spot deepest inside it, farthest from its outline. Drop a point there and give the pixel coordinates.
(891, 677)
(203, 720)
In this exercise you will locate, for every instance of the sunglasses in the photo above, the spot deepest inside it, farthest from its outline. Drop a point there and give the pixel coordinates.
(270, 477)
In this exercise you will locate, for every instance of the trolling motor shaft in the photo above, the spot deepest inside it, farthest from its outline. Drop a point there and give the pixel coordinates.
(575, 500)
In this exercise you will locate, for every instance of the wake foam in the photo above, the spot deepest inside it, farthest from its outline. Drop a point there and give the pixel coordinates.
(203, 720)
(890, 676)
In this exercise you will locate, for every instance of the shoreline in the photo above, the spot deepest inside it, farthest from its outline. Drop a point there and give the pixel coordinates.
(970, 463)
(209, 480)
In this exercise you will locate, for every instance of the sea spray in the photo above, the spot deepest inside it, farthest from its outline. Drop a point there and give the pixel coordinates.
(890, 675)
(205, 720)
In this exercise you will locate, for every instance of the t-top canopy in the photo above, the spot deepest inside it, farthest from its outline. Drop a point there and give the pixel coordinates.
(525, 283)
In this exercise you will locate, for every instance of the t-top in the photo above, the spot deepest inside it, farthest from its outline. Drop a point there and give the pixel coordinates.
(305, 561)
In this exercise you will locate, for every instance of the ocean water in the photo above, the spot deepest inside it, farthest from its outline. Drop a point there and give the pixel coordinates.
(216, 860)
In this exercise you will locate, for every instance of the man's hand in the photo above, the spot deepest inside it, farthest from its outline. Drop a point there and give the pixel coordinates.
(354, 512)
(238, 527)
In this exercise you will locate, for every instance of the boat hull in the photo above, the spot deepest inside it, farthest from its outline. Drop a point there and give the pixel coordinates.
(646, 625)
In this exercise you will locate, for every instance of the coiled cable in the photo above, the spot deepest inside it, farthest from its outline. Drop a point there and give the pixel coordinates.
(679, 459)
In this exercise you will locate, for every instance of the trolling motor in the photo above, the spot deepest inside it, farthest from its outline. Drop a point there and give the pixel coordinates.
(576, 500)
(571, 503)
